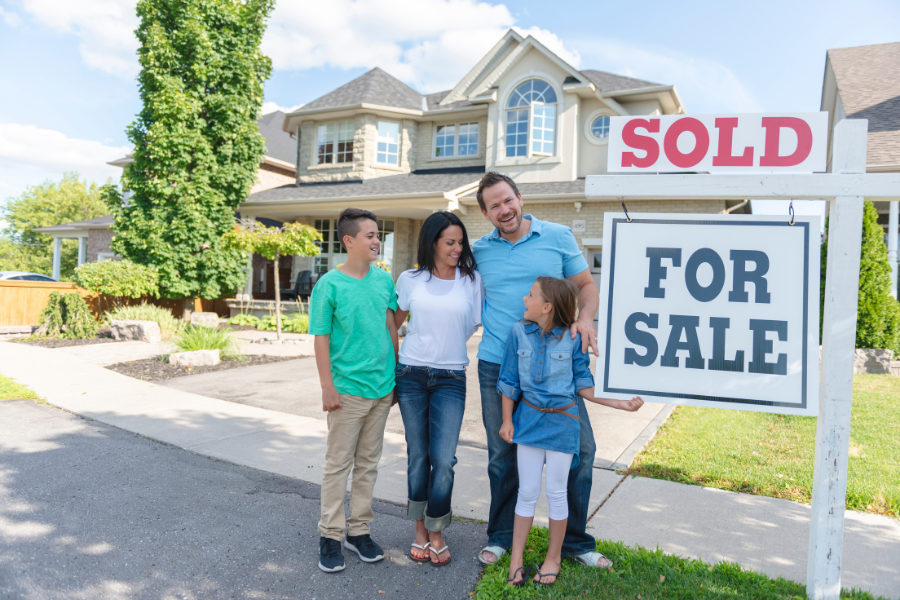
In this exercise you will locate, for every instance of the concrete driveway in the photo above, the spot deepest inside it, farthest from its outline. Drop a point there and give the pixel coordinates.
(293, 387)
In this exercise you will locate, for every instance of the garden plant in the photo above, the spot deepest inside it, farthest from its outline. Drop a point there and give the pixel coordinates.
(67, 316)
(168, 324)
(118, 280)
(198, 337)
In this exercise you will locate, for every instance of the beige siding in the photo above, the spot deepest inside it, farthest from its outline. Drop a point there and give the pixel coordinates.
(268, 177)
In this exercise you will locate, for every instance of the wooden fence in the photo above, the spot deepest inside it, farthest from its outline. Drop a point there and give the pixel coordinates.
(21, 302)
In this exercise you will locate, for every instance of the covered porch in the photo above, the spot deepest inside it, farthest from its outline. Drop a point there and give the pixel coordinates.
(88, 234)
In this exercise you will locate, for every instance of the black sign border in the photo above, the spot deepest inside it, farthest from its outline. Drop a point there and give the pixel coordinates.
(612, 265)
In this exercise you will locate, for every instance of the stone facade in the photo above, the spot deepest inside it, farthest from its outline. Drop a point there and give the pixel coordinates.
(98, 243)
(425, 148)
(270, 176)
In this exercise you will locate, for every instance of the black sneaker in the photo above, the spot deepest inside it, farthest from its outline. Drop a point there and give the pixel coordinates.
(363, 545)
(331, 559)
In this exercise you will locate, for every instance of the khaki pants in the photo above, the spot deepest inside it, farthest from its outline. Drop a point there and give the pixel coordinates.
(355, 441)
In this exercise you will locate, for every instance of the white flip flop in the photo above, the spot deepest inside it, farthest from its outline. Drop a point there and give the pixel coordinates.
(495, 550)
(590, 559)
(423, 549)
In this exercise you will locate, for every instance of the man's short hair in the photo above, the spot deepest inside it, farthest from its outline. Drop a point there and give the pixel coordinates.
(490, 179)
(348, 222)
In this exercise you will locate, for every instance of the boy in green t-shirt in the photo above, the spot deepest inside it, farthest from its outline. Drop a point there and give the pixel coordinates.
(352, 316)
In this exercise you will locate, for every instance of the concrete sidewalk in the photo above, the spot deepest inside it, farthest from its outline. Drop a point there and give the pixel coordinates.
(766, 534)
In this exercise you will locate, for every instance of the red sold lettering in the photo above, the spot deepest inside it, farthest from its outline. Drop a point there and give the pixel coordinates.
(701, 145)
(773, 127)
(725, 158)
(640, 142)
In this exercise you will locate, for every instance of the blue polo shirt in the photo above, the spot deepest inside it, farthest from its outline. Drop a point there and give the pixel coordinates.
(509, 270)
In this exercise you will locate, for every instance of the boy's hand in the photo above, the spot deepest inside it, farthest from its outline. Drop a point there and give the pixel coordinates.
(506, 431)
(331, 400)
(631, 405)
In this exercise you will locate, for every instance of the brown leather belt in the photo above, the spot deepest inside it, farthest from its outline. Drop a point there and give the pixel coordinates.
(554, 410)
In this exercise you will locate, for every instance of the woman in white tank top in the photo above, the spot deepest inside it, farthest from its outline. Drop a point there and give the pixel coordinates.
(444, 296)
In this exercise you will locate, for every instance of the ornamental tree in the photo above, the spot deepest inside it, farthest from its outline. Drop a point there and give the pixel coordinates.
(197, 146)
(273, 243)
(878, 313)
(117, 280)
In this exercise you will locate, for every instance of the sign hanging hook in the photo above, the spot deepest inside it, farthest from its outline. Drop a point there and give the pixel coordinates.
(791, 212)
(628, 217)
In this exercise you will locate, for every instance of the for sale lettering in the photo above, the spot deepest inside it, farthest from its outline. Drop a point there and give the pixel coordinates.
(710, 310)
(706, 143)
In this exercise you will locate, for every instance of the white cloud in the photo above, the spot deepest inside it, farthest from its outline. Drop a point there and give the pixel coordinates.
(270, 107)
(705, 86)
(26, 149)
(10, 18)
(105, 29)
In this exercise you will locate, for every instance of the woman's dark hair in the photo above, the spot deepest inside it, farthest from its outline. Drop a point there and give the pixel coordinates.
(431, 232)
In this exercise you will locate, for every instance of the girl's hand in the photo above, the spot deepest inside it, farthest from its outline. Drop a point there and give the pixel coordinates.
(631, 405)
(506, 431)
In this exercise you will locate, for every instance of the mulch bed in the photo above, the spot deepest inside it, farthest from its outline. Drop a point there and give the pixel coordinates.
(104, 336)
(153, 369)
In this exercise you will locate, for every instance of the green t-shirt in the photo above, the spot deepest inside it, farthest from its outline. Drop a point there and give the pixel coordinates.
(353, 312)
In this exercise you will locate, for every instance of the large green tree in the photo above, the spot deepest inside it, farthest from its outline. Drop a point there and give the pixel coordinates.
(878, 313)
(50, 203)
(197, 145)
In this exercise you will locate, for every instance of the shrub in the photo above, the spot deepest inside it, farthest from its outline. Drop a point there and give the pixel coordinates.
(118, 279)
(878, 313)
(168, 324)
(244, 319)
(298, 324)
(194, 337)
(67, 316)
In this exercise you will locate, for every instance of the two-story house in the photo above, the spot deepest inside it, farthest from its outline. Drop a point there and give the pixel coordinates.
(376, 143)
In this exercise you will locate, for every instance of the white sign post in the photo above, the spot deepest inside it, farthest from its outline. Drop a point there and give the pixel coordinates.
(845, 187)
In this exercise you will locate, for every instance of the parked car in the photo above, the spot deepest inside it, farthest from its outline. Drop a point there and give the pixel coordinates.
(21, 276)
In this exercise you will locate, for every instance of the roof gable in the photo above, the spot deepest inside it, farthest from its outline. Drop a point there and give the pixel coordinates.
(373, 87)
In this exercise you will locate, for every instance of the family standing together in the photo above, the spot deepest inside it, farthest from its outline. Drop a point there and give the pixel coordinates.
(528, 285)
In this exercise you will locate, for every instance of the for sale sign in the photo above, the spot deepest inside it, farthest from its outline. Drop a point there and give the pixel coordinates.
(707, 310)
(736, 143)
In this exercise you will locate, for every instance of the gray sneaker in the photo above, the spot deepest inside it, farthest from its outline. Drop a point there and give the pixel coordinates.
(331, 559)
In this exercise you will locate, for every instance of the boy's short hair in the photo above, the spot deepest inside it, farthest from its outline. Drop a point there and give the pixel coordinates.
(490, 179)
(348, 222)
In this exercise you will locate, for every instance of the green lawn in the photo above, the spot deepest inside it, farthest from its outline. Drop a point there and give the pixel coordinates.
(641, 573)
(772, 455)
(10, 389)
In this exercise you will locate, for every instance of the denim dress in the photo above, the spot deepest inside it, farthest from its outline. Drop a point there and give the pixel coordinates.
(546, 371)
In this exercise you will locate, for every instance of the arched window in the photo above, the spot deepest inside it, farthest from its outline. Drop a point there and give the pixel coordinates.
(532, 102)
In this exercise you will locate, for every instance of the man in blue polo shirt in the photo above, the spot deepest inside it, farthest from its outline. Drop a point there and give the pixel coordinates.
(519, 250)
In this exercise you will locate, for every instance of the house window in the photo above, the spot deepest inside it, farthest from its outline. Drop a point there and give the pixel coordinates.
(320, 265)
(534, 101)
(458, 139)
(600, 127)
(386, 235)
(335, 143)
(388, 143)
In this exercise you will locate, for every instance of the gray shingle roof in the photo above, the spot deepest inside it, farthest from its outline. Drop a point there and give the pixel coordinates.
(374, 87)
(279, 144)
(95, 223)
(546, 189)
(433, 101)
(608, 82)
(868, 79)
(412, 183)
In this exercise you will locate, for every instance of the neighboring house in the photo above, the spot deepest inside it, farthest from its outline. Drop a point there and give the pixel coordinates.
(864, 83)
(94, 235)
(376, 143)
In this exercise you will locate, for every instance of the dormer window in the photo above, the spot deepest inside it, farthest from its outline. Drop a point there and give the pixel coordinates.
(335, 143)
(388, 152)
(533, 102)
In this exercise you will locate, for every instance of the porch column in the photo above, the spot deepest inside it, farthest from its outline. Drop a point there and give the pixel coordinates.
(893, 233)
(248, 286)
(57, 252)
(82, 250)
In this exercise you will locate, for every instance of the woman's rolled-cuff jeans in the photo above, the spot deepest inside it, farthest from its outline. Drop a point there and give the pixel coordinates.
(432, 403)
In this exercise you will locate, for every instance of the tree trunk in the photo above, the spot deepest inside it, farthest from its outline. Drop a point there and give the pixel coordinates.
(188, 309)
(198, 305)
(277, 296)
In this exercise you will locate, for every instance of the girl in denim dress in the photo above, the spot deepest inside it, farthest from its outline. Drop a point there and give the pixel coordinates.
(543, 368)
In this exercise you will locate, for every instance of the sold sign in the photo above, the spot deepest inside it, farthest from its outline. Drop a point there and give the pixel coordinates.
(783, 142)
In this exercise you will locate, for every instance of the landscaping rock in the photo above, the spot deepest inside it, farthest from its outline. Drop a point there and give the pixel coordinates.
(895, 367)
(197, 358)
(205, 319)
(873, 361)
(138, 331)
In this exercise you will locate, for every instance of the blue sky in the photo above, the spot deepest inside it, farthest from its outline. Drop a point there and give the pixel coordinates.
(68, 68)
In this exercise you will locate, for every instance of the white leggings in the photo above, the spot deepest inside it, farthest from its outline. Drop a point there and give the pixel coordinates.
(531, 463)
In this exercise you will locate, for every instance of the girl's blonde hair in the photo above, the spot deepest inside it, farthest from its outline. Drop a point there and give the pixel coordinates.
(562, 294)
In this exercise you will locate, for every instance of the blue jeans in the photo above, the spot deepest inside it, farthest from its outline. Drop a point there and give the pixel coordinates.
(432, 403)
(504, 478)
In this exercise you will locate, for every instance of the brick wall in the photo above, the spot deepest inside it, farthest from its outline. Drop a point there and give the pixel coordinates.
(98, 241)
(268, 177)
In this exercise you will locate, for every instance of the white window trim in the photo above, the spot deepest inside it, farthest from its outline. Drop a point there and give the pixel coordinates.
(557, 134)
(334, 151)
(588, 126)
(531, 152)
(107, 256)
(391, 166)
(456, 155)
